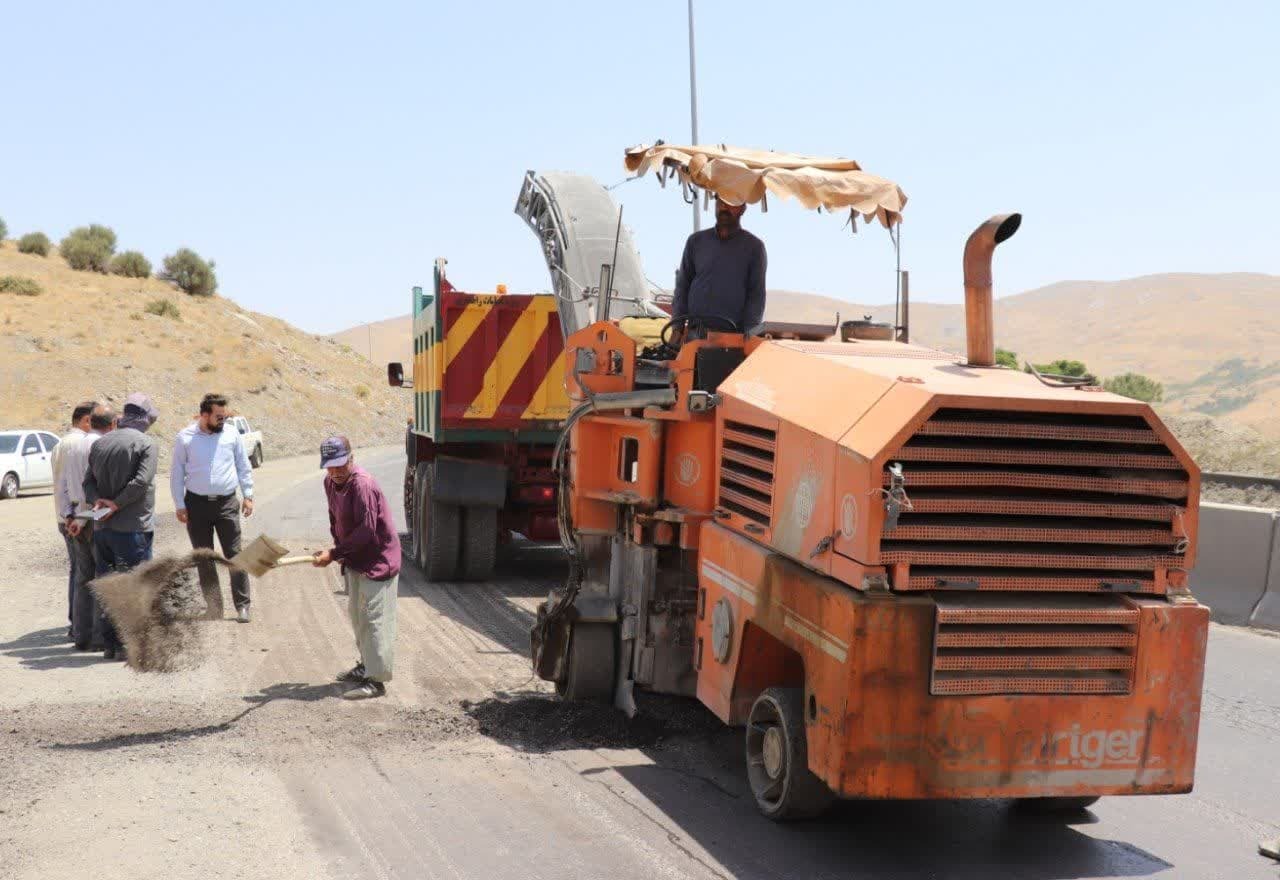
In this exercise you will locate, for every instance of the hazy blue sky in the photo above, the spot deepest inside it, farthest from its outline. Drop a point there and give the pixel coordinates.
(324, 154)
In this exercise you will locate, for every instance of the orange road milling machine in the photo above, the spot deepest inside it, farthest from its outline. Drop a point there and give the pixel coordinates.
(905, 573)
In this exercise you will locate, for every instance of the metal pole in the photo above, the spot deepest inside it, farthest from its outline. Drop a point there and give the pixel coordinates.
(693, 109)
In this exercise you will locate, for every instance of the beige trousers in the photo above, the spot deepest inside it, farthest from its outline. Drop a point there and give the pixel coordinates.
(372, 606)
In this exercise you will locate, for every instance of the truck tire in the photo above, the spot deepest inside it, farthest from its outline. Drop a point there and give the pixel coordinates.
(1043, 805)
(9, 486)
(591, 667)
(409, 497)
(437, 531)
(255, 460)
(479, 543)
(778, 758)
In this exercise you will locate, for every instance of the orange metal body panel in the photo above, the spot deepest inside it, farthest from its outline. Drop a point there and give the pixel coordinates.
(689, 466)
(875, 731)
(617, 459)
(615, 361)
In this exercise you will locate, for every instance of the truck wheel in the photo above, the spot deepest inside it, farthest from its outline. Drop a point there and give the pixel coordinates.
(479, 542)
(437, 528)
(1044, 805)
(255, 460)
(778, 759)
(9, 486)
(592, 664)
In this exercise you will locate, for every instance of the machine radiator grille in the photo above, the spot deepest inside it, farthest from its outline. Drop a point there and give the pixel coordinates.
(987, 644)
(1006, 500)
(746, 471)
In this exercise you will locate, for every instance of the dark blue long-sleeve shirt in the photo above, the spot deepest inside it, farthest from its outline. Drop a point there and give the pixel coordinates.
(722, 278)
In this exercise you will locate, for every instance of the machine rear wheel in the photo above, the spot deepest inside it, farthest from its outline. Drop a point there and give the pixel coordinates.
(1056, 804)
(592, 664)
(778, 758)
(437, 529)
(479, 543)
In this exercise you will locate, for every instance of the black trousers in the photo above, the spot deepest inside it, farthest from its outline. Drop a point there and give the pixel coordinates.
(204, 518)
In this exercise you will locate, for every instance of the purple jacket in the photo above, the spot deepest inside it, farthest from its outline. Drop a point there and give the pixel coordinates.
(364, 532)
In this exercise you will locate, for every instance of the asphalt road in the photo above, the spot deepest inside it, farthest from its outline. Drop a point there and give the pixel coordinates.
(469, 768)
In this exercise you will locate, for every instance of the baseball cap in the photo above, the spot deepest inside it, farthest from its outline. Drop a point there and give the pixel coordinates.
(334, 452)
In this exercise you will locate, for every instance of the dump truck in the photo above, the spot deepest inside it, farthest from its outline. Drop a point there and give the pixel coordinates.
(488, 381)
(904, 573)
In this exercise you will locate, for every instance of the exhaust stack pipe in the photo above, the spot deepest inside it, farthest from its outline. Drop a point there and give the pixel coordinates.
(979, 311)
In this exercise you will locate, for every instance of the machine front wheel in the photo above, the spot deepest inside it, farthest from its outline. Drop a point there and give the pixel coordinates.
(591, 667)
(778, 758)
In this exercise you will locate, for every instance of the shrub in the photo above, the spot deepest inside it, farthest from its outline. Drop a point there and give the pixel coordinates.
(205, 368)
(4, 230)
(20, 286)
(1006, 358)
(131, 264)
(164, 308)
(188, 271)
(35, 243)
(362, 392)
(1137, 386)
(1063, 367)
(89, 248)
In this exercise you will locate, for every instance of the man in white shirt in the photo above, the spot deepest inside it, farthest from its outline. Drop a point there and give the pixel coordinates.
(87, 628)
(63, 508)
(208, 464)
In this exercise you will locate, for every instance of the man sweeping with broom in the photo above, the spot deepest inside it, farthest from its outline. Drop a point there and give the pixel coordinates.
(368, 549)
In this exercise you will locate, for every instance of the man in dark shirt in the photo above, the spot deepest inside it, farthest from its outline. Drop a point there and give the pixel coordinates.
(722, 274)
(121, 479)
(366, 544)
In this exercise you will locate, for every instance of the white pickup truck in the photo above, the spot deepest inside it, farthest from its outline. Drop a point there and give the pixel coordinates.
(252, 439)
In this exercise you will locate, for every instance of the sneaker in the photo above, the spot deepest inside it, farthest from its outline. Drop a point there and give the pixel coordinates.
(365, 690)
(242, 614)
(354, 674)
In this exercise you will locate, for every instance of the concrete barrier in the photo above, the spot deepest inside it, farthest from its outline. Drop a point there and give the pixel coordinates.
(1267, 612)
(1234, 561)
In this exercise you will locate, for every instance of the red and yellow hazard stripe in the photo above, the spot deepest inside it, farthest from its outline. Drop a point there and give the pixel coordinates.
(500, 360)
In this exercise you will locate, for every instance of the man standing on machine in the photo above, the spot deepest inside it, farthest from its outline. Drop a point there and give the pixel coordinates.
(721, 276)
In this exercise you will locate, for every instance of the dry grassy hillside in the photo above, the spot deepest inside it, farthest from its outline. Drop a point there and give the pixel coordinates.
(88, 336)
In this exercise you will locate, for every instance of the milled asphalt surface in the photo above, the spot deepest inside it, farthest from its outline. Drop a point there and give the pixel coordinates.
(250, 767)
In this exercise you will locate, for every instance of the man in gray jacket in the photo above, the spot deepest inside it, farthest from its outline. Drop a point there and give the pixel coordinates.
(121, 480)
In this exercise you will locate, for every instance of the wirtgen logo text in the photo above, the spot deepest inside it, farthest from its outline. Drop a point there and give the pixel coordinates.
(1080, 748)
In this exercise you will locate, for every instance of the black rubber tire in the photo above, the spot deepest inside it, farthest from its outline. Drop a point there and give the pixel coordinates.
(479, 543)
(9, 486)
(438, 532)
(255, 460)
(795, 793)
(1044, 805)
(592, 664)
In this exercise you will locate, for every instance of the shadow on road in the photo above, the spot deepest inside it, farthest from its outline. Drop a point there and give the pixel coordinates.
(283, 691)
(697, 779)
(49, 649)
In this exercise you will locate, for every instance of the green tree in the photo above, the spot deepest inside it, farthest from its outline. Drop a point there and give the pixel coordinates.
(189, 272)
(1137, 386)
(35, 243)
(131, 264)
(1063, 367)
(4, 230)
(1006, 358)
(89, 248)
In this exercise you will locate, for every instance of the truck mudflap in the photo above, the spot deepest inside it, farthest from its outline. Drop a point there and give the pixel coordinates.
(983, 700)
(469, 483)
